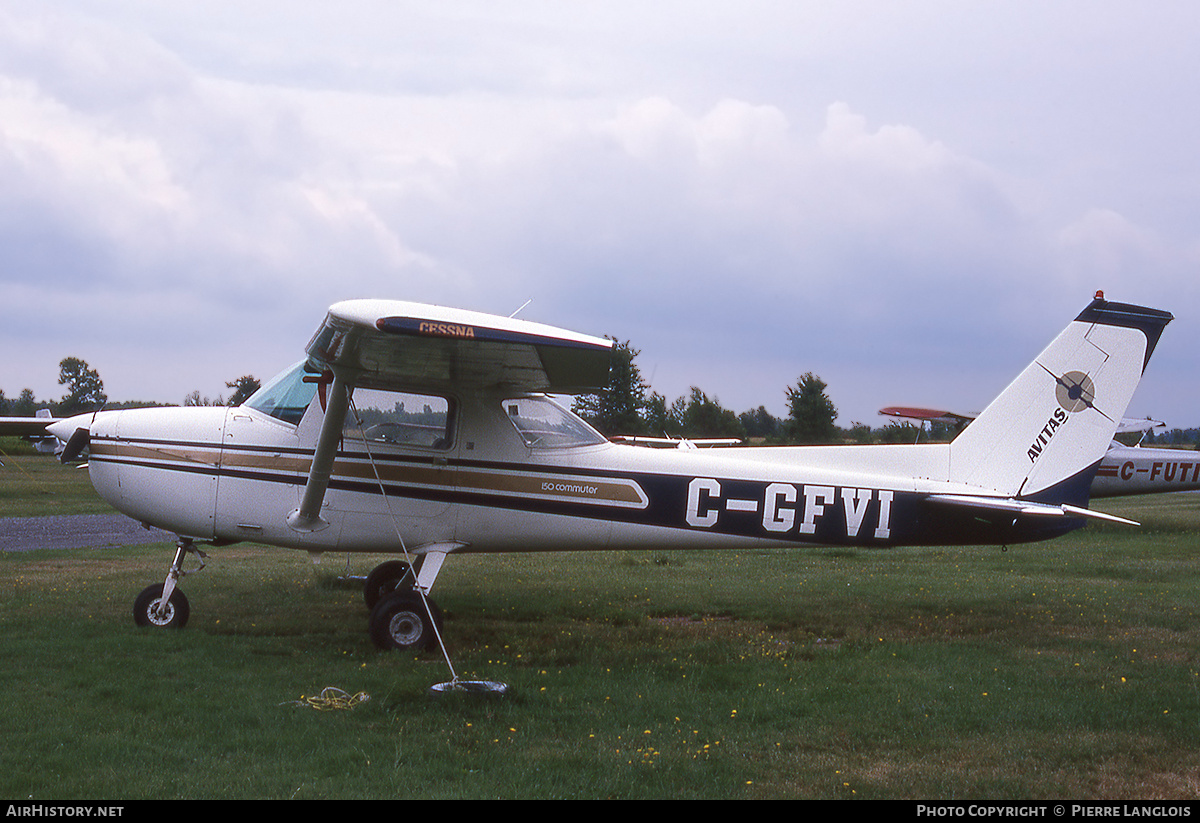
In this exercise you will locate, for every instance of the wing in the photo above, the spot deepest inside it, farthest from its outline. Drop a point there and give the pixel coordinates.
(385, 343)
(683, 443)
(33, 429)
(390, 344)
(1139, 425)
(24, 426)
(926, 415)
(937, 416)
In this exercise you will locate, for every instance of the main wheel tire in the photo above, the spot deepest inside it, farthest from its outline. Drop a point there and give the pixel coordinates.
(145, 609)
(385, 579)
(400, 622)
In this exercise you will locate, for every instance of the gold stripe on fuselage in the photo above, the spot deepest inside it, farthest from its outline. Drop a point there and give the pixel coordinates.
(179, 453)
(357, 466)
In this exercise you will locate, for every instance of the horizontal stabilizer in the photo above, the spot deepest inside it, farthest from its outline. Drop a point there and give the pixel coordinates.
(1024, 507)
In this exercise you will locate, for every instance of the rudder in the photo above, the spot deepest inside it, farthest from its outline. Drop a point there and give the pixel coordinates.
(1042, 438)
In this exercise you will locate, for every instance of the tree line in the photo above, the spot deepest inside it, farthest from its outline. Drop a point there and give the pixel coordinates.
(626, 406)
(629, 406)
(85, 392)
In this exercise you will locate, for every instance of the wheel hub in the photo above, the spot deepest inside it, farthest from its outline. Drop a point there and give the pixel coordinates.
(160, 614)
(405, 627)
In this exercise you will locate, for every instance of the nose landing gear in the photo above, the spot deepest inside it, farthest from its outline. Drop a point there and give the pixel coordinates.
(165, 606)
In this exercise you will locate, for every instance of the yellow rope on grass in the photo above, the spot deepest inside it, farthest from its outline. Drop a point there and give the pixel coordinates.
(332, 698)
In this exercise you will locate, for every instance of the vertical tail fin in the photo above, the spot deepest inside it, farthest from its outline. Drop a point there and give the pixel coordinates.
(1043, 436)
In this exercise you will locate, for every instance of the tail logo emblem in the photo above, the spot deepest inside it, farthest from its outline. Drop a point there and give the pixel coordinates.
(1075, 391)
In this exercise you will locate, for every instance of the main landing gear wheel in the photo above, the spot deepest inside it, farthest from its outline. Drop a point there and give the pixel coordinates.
(385, 579)
(149, 610)
(402, 621)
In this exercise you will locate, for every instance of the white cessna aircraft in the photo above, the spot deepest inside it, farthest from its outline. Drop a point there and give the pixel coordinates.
(420, 432)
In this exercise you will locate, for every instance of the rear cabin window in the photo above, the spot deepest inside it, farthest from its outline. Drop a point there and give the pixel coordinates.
(543, 424)
(400, 418)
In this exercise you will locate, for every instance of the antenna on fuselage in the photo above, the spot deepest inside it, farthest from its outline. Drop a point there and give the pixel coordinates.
(518, 311)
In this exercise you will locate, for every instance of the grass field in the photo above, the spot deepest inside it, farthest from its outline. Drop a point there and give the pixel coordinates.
(1068, 669)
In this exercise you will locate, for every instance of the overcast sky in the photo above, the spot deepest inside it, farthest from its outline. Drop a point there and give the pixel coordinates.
(909, 199)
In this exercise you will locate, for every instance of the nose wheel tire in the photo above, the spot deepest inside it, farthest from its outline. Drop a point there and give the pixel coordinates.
(147, 611)
(401, 622)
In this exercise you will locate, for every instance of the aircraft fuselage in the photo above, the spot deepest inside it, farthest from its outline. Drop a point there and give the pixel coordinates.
(1136, 470)
(230, 475)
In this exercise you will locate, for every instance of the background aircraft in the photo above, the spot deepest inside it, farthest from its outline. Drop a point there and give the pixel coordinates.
(32, 429)
(422, 431)
(1125, 470)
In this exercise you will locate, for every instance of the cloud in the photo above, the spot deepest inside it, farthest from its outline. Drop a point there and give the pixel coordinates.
(196, 187)
(1104, 244)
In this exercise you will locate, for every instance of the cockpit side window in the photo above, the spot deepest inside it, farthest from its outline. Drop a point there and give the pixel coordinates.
(400, 418)
(284, 397)
(543, 424)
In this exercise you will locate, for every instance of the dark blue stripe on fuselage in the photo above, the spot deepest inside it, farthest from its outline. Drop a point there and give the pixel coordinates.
(800, 513)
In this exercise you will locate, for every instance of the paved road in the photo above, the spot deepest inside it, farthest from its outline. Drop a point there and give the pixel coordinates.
(75, 531)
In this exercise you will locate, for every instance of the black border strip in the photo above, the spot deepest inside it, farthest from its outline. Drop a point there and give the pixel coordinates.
(1149, 322)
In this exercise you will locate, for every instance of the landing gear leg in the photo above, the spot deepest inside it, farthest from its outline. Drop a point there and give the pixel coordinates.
(166, 606)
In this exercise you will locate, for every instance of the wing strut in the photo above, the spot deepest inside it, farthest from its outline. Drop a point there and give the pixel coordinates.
(308, 518)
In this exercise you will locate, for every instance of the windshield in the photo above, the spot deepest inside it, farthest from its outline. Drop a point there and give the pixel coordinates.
(543, 424)
(286, 396)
